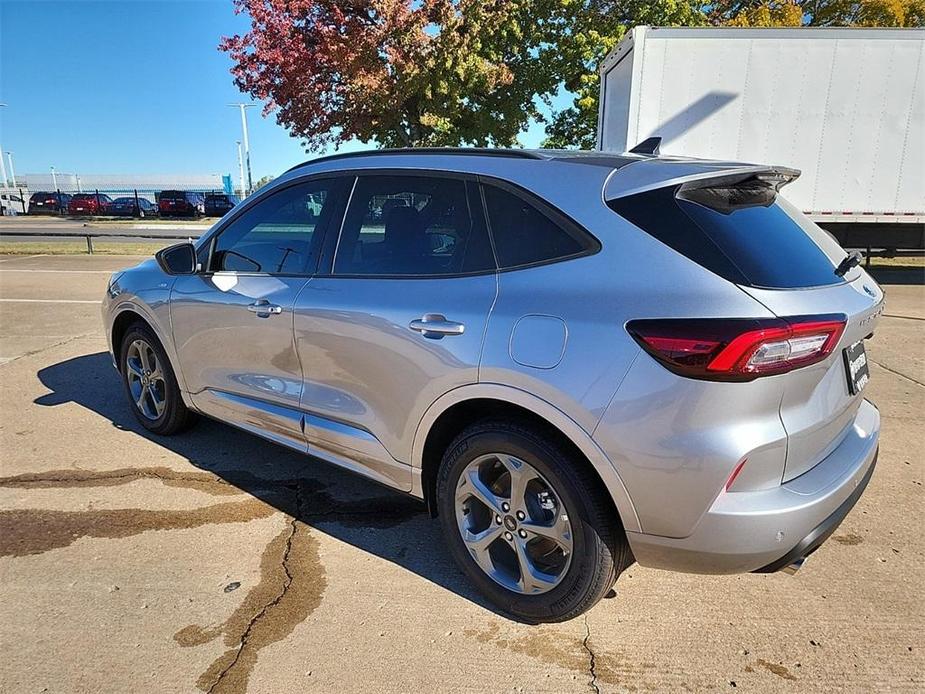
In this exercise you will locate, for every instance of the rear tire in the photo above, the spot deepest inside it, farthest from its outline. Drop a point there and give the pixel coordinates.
(566, 534)
(150, 383)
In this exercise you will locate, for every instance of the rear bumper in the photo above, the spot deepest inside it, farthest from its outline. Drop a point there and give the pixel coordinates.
(769, 529)
(821, 532)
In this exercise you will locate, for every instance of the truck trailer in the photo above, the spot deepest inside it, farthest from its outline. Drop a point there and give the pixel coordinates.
(846, 107)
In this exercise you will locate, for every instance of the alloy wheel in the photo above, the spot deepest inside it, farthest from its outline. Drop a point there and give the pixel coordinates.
(513, 524)
(145, 377)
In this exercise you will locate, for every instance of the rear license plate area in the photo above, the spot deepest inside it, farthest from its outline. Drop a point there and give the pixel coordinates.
(857, 369)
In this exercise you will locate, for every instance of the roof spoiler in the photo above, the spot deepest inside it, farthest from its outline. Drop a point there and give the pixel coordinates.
(729, 193)
(651, 174)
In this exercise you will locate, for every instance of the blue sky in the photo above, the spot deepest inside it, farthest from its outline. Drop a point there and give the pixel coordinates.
(131, 87)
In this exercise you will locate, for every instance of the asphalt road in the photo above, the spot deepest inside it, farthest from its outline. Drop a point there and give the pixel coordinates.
(215, 561)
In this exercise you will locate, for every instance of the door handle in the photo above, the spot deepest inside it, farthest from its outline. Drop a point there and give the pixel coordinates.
(264, 309)
(436, 326)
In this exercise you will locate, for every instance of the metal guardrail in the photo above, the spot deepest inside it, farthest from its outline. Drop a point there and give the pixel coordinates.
(89, 236)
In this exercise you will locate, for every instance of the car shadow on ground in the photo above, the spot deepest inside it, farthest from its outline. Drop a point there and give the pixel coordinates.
(385, 523)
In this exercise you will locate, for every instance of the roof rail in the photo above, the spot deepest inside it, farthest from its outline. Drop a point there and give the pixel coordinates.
(478, 151)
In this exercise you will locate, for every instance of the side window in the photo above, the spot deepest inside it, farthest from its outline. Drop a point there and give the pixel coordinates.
(279, 235)
(413, 226)
(524, 235)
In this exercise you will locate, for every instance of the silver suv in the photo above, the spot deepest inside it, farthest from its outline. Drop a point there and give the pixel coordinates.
(577, 360)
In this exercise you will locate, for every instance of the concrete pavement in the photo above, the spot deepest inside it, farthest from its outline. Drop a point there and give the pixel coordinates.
(215, 561)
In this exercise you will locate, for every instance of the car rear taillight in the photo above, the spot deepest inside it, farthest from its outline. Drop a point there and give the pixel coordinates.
(738, 349)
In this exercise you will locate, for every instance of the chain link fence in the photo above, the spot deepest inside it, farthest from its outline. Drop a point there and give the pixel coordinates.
(116, 202)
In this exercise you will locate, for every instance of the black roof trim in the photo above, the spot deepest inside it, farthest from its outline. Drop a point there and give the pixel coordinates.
(463, 151)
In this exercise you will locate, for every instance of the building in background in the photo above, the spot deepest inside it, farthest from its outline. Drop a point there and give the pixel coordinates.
(146, 185)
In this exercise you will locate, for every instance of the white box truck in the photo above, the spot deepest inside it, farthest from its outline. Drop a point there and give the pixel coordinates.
(844, 106)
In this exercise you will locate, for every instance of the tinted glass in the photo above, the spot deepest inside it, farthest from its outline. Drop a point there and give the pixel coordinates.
(761, 245)
(126, 201)
(523, 234)
(172, 195)
(85, 196)
(412, 226)
(279, 235)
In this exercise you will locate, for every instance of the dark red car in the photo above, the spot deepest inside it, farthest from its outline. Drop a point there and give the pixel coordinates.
(84, 204)
(181, 203)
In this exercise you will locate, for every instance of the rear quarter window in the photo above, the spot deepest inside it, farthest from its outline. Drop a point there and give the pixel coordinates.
(524, 234)
(761, 245)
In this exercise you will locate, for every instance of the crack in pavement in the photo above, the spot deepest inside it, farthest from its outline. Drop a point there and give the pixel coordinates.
(33, 352)
(898, 373)
(291, 585)
(592, 664)
(893, 315)
(81, 477)
(245, 637)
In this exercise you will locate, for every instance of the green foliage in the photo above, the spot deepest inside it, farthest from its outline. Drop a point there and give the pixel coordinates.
(262, 181)
(599, 26)
(399, 72)
(450, 72)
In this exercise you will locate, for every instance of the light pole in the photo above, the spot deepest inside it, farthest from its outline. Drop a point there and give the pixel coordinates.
(247, 148)
(240, 167)
(54, 179)
(2, 165)
(9, 156)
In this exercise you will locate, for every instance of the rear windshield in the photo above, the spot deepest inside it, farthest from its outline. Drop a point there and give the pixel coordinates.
(764, 244)
(173, 195)
(124, 200)
(85, 196)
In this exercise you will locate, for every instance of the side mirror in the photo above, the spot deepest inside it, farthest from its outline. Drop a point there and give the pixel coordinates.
(179, 259)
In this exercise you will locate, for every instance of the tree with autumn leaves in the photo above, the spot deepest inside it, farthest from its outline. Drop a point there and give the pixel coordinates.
(397, 72)
(409, 73)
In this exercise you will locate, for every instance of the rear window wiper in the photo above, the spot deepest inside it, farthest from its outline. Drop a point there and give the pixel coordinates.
(853, 259)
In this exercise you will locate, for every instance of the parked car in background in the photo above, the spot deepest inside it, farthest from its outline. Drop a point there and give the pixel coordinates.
(89, 204)
(181, 203)
(484, 330)
(132, 207)
(217, 204)
(12, 203)
(42, 202)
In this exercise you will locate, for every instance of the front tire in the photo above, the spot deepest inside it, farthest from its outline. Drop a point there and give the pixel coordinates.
(529, 525)
(150, 383)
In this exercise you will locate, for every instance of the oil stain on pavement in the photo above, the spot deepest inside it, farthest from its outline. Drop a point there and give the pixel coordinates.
(292, 582)
(292, 576)
(199, 481)
(570, 653)
(33, 531)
